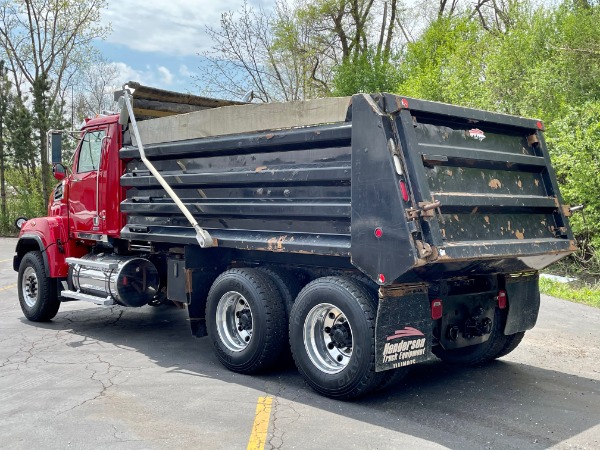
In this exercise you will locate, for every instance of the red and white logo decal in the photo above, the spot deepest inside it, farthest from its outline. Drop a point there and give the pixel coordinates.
(404, 352)
(476, 133)
(405, 332)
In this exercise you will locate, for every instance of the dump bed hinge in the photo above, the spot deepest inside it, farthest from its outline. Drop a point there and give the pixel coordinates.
(426, 209)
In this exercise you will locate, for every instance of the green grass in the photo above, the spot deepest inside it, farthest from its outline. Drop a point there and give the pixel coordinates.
(588, 294)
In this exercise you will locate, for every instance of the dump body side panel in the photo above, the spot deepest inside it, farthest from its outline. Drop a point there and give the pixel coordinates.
(408, 190)
(283, 191)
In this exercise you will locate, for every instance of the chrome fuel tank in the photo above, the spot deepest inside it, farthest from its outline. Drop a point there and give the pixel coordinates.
(129, 281)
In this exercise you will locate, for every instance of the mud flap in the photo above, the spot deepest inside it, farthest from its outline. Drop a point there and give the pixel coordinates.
(523, 293)
(403, 330)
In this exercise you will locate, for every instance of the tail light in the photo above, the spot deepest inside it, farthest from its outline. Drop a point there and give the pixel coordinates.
(502, 299)
(437, 309)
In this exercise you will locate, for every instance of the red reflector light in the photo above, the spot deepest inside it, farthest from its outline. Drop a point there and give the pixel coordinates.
(502, 299)
(436, 309)
(378, 232)
(540, 125)
(404, 191)
(381, 278)
(404, 103)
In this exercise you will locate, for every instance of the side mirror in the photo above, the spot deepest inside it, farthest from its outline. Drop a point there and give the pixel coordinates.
(56, 148)
(58, 171)
(20, 221)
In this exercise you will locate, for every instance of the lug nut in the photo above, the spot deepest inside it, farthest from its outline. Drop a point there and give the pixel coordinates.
(331, 315)
(327, 330)
(330, 346)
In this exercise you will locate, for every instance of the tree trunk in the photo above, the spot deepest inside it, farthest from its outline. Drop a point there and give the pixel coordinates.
(42, 107)
(44, 166)
(2, 180)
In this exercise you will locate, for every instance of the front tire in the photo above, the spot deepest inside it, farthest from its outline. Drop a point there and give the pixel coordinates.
(332, 336)
(38, 295)
(246, 320)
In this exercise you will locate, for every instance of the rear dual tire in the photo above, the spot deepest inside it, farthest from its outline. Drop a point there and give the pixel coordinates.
(246, 320)
(332, 336)
(331, 329)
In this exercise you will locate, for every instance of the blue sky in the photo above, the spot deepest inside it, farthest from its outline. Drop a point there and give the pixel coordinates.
(157, 42)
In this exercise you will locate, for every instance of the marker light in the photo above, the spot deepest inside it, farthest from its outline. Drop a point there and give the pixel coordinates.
(404, 191)
(378, 232)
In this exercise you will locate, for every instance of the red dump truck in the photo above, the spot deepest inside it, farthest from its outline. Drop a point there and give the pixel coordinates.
(367, 233)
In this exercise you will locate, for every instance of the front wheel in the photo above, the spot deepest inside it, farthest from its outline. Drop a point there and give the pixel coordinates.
(332, 336)
(38, 295)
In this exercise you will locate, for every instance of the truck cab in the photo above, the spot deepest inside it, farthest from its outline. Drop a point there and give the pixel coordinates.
(92, 208)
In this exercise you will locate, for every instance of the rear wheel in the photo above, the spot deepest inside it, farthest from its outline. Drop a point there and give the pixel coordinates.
(497, 345)
(245, 320)
(38, 294)
(332, 336)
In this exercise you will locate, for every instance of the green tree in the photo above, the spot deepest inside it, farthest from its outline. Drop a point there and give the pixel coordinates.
(447, 63)
(19, 122)
(366, 72)
(574, 147)
(47, 43)
(23, 171)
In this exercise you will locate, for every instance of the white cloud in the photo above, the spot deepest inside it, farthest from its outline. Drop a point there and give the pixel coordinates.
(184, 71)
(175, 27)
(167, 76)
(150, 76)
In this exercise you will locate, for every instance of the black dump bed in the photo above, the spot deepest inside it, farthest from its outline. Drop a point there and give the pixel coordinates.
(403, 188)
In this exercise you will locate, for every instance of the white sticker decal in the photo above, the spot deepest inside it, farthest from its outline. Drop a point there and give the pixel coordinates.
(476, 133)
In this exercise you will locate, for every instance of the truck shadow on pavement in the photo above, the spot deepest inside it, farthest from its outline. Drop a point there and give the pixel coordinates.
(504, 404)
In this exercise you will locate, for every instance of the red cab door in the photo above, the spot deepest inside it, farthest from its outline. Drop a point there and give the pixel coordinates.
(85, 201)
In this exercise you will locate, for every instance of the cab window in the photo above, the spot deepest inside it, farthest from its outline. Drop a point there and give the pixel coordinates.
(89, 153)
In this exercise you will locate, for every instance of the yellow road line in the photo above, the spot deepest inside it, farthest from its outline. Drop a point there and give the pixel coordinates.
(258, 438)
(6, 288)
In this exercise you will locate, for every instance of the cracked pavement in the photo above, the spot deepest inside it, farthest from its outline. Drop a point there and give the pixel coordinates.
(134, 378)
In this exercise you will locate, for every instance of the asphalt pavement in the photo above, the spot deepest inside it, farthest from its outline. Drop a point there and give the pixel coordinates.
(134, 378)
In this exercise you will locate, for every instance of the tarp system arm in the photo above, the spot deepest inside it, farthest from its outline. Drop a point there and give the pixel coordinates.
(202, 236)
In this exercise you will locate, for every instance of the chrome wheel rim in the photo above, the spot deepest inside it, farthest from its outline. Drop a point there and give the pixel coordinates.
(234, 321)
(328, 338)
(29, 287)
